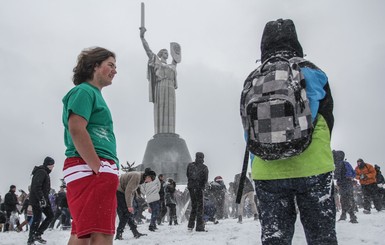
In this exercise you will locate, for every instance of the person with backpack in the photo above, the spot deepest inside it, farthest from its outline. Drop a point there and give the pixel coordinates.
(287, 115)
(345, 175)
(366, 174)
(197, 176)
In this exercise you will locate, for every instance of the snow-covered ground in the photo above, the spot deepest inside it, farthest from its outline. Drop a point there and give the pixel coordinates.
(370, 230)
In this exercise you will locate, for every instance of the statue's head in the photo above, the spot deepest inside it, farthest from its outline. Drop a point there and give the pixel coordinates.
(163, 53)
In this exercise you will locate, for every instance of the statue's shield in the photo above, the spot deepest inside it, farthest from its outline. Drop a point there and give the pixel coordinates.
(176, 52)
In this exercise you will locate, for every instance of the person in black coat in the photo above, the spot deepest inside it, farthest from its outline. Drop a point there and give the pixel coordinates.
(163, 208)
(10, 202)
(197, 176)
(170, 201)
(40, 188)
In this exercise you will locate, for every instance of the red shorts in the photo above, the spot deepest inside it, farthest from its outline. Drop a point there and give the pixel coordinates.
(92, 201)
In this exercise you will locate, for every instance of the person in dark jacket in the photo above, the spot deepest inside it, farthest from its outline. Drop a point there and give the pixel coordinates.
(381, 184)
(197, 176)
(218, 189)
(40, 188)
(170, 201)
(57, 198)
(345, 181)
(10, 202)
(163, 208)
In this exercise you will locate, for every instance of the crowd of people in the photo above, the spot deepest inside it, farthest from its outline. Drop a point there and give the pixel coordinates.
(140, 193)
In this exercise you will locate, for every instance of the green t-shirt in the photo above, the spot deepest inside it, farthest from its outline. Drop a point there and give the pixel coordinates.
(87, 101)
(316, 159)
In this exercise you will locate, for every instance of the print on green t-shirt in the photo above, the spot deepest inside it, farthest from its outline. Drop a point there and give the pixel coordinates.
(87, 101)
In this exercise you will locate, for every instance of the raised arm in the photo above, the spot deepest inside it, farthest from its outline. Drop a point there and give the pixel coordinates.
(149, 53)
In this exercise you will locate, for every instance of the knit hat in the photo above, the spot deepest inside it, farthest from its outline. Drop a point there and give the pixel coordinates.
(12, 187)
(280, 37)
(199, 155)
(360, 160)
(48, 161)
(218, 178)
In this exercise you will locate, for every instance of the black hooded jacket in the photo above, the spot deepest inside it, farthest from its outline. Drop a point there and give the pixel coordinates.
(41, 185)
(10, 201)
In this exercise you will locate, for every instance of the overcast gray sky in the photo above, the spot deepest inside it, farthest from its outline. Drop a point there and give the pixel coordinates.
(220, 42)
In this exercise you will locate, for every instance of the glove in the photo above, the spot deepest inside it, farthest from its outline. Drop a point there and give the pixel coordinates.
(43, 203)
(363, 176)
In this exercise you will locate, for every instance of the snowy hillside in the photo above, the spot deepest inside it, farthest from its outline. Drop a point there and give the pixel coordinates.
(369, 230)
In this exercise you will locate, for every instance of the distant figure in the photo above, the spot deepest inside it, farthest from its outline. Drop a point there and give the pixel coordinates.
(344, 174)
(10, 202)
(197, 177)
(150, 188)
(171, 201)
(248, 193)
(128, 184)
(381, 184)
(39, 200)
(366, 174)
(91, 167)
(162, 78)
(163, 208)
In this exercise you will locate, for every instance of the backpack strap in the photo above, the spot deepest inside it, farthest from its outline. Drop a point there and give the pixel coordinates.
(243, 177)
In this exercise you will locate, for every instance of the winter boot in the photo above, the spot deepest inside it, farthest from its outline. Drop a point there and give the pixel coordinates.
(353, 218)
(240, 219)
(119, 236)
(151, 228)
(343, 216)
(37, 238)
(137, 234)
(175, 220)
(255, 216)
(30, 241)
(366, 211)
(170, 222)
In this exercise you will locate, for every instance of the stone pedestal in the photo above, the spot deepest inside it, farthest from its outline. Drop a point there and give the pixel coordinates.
(167, 154)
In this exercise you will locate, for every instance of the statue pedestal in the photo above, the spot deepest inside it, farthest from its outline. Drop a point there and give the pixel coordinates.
(167, 154)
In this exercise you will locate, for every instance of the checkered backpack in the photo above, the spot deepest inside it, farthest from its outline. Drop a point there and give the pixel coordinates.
(275, 110)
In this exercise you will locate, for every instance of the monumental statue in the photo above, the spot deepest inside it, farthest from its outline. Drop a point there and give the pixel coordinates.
(162, 85)
(166, 153)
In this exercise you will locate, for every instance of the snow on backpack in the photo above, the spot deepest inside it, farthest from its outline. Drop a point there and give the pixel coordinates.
(275, 110)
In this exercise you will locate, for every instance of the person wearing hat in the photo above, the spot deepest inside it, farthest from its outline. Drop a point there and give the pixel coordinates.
(40, 188)
(197, 176)
(366, 175)
(150, 188)
(10, 202)
(306, 178)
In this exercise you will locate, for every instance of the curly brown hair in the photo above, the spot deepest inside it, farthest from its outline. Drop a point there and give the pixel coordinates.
(87, 60)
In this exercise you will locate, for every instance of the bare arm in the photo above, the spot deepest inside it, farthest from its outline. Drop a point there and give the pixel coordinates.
(145, 44)
(82, 141)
